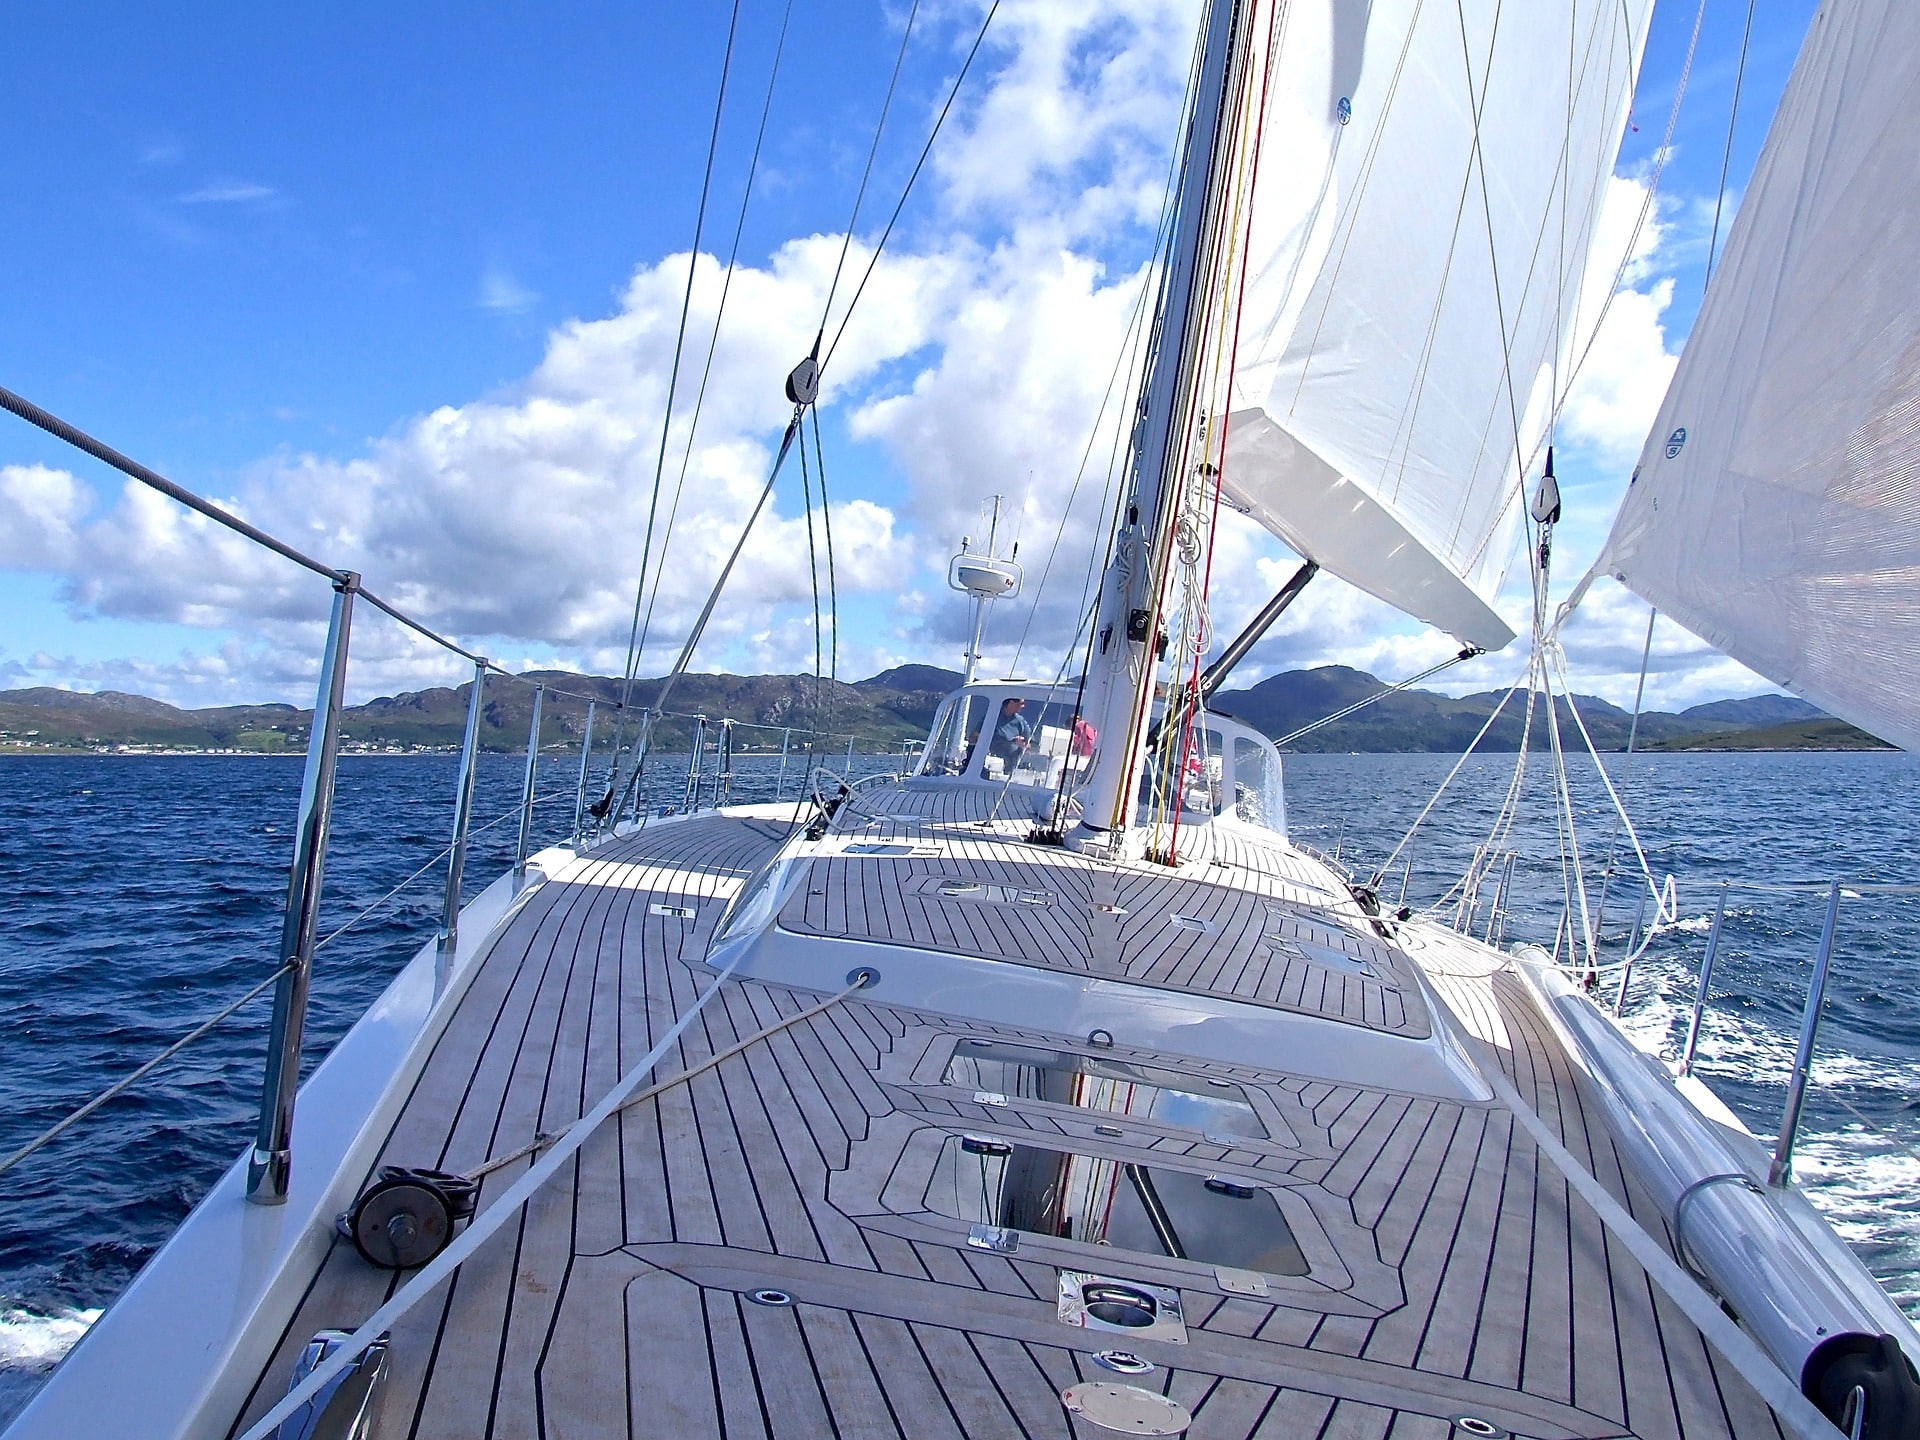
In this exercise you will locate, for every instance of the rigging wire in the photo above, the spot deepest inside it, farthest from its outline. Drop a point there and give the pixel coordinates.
(1467, 654)
(719, 318)
(926, 150)
(1726, 156)
(826, 525)
(873, 151)
(673, 379)
(1661, 156)
(1633, 733)
(802, 401)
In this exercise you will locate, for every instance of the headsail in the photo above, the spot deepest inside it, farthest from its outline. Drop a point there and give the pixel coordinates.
(1430, 180)
(1776, 508)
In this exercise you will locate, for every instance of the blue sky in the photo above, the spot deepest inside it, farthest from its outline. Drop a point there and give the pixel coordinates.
(291, 257)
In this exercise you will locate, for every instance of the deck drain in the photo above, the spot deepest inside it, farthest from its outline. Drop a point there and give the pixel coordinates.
(1126, 1408)
(1122, 1362)
(773, 1298)
(1474, 1425)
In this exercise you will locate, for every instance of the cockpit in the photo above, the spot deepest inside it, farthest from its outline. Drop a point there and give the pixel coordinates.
(1020, 734)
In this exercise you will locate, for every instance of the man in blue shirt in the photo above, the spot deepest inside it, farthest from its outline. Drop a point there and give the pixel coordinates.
(1011, 732)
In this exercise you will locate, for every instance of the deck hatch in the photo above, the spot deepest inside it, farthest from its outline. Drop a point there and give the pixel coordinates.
(986, 892)
(1148, 1209)
(1010, 1073)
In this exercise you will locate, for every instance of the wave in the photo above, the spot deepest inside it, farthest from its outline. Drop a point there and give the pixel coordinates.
(30, 1341)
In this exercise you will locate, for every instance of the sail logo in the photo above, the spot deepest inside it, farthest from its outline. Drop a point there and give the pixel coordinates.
(1676, 442)
(1344, 110)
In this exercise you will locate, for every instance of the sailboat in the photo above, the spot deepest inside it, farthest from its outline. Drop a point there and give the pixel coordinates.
(1051, 1089)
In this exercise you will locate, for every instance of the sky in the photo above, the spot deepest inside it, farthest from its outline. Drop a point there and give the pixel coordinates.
(402, 285)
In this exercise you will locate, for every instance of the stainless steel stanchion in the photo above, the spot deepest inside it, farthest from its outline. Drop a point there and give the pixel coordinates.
(462, 815)
(1781, 1171)
(269, 1170)
(580, 790)
(527, 786)
(1706, 978)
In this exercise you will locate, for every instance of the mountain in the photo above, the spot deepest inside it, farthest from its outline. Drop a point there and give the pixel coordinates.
(914, 677)
(1421, 720)
(1756, 710)
(882, 712)
(886, 710)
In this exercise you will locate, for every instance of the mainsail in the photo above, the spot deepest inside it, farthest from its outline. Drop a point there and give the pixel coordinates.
(1430, 179)
(1775, 511)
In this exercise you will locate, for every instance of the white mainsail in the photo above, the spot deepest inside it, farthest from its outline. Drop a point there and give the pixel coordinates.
(1430, 180)
(1776, 508)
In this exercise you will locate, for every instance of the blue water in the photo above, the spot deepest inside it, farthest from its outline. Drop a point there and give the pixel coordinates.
(144, 893)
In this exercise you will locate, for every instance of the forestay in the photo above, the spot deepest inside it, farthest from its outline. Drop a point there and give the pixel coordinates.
(1430, 179)
(1774, 510)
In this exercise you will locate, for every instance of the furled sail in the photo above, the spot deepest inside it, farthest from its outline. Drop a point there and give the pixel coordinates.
(1430, 179)
(1776, 508)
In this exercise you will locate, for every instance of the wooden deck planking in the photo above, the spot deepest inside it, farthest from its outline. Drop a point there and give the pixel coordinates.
(739, 1161)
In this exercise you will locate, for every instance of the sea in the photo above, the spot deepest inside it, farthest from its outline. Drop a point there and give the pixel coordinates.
(143, 894)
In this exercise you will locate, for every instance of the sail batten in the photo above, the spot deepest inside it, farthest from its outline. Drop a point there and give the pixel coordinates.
(1431, 181)
(1775, 511)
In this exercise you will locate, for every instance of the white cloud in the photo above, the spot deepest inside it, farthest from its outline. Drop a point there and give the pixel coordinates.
(976, 364)
(227, 192)
(39, 512)
(1625, 369)
(1073, 129)
(501, 293)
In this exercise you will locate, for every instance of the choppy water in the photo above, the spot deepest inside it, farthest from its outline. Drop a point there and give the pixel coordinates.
(142, 894)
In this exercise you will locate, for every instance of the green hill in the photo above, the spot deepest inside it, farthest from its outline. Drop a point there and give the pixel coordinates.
(886, 710)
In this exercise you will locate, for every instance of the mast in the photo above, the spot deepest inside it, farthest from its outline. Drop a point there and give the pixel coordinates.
(1126, 645)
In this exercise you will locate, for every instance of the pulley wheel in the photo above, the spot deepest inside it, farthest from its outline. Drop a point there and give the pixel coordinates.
(460, 1191)
(401, 1223)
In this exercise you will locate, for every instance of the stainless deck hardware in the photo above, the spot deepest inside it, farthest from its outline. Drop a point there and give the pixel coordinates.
(346, 1406)
(1706, 978)
(462, 816)
(406, 1217)
(269, 1169)
(786, 744)
(1781, 1171)
(580, 790)
(527, 785)
(1626, 970)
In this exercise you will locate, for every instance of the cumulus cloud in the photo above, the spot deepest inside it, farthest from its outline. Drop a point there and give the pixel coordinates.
(1072, 132)
(1625, 369)
(981, 360)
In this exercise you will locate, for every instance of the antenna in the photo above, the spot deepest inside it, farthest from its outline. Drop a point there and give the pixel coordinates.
(984, 576)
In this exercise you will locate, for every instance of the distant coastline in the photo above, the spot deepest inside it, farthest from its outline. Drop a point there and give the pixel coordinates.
(886, 713)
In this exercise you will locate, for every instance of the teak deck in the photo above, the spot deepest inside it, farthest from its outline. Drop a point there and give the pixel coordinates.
(1454, 1273)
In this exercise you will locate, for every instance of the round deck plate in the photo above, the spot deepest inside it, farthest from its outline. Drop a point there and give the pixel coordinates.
(1126, 1408)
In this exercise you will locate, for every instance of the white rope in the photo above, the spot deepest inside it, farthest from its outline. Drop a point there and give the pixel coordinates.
(484, 1226)
(1571, 837)
(1427, 809)
(1665, 899)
